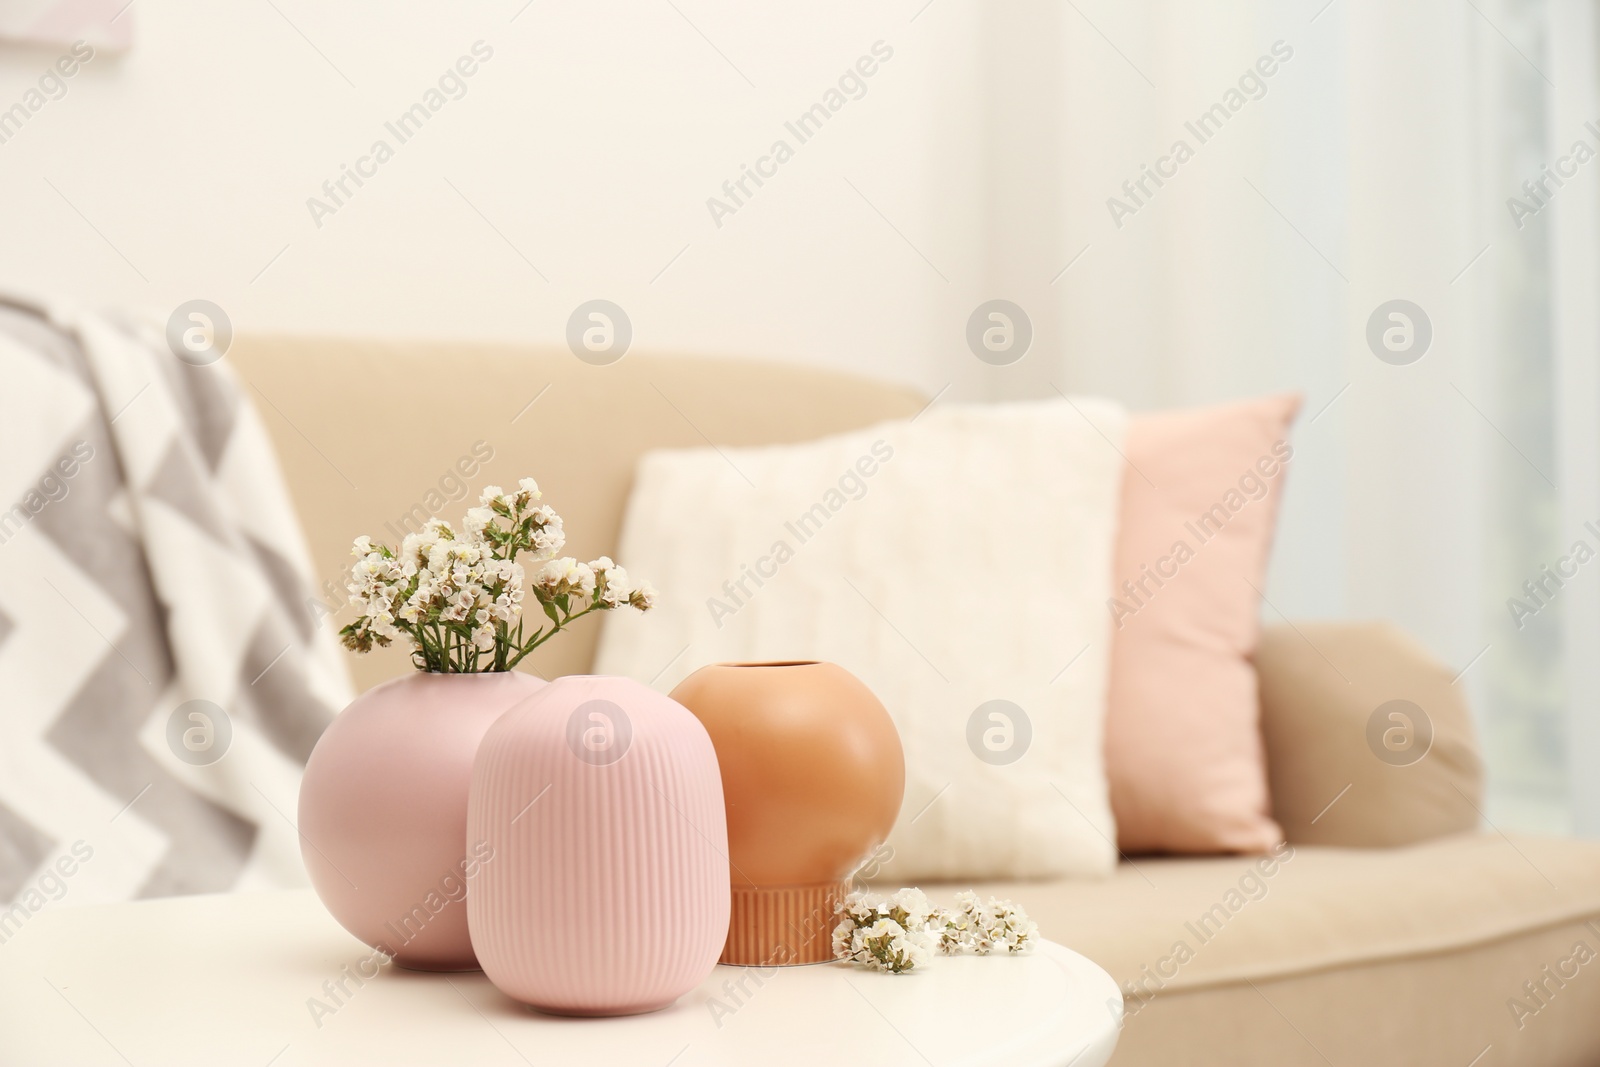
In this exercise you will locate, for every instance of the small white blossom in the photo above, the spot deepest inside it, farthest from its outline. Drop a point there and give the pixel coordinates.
(612, 582)
(643, 596)
(883, 945)
(913, 903)
(547, 533)
(982, 927)
(566, 577)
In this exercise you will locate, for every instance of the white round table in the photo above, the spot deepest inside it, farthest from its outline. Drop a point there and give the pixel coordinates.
(255, 980)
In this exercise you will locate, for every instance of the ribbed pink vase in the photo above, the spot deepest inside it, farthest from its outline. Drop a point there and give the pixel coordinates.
(609, 891)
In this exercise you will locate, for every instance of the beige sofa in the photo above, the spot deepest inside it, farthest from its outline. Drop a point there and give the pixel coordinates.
(1393, 931)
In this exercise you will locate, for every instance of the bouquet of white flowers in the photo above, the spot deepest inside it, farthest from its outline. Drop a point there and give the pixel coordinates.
(457, 597)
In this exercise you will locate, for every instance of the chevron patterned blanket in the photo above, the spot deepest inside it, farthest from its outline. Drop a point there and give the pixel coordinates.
(162, 680)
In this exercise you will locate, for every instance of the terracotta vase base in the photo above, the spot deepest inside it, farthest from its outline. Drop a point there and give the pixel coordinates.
(782, 926)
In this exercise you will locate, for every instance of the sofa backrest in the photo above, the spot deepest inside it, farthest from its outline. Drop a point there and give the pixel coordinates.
(372, 433)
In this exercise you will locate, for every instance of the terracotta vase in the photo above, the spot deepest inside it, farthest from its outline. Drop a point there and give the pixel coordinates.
(608, 893)
(383, 812)
(814, 774)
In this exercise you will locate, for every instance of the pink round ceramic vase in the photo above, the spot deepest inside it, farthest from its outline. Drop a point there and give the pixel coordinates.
(383, 812)
(609, 890)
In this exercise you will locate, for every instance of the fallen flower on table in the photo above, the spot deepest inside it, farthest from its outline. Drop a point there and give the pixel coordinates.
(900, 932)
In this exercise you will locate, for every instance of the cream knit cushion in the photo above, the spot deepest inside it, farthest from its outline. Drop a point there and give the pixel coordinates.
(952, 561)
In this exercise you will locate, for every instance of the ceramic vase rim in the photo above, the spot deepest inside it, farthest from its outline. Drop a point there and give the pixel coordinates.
(772, 663)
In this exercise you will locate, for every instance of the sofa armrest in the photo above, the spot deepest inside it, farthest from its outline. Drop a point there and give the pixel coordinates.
(1346, 767)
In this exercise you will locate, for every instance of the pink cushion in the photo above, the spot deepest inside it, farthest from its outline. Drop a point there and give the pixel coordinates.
(1183, 738)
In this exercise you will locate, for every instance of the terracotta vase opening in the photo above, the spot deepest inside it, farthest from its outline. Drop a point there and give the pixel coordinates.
(775, 663)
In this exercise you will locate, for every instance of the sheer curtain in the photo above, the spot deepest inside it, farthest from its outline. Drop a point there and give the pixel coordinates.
(1374, 163)
(1574, 35)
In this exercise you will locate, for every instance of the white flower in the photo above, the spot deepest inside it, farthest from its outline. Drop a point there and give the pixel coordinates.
(882, 929)
(477, 520)
(566, 577)
(612, 581)
(418, 548)
(547, 532)
(871, 933)
(504, 571)
(490, 494)
(643, 596)
(362, 546)
(553, 573)
(582, 580)
(843, 939)
(530, 487)
(995, 925)
(913, 903)
(888, 946)
(862, 906)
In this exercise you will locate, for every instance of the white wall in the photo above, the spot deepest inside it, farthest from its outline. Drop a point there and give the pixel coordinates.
(592, 140)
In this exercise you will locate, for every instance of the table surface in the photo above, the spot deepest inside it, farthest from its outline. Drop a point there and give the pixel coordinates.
(222, 980)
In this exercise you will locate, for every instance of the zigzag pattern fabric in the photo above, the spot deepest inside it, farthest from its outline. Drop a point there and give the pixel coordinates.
(162, 677)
